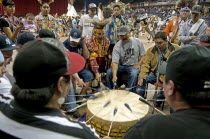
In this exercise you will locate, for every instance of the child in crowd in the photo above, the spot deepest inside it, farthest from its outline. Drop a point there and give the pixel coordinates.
(29, 25)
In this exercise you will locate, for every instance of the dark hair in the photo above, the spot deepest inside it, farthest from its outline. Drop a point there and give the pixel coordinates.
(7, 2)
(116, 5)
(192, 95)
(43, 2)
(35, 98)
(162, 35)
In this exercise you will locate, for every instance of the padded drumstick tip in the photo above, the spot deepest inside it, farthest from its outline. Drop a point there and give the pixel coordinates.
(127, 106)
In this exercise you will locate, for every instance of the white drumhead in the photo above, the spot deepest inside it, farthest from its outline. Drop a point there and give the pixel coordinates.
(118, 99)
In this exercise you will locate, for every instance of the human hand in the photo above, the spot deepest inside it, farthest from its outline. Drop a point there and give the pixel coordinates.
(136, 66)
(80, 83)
(97, 76)
(140, 82)
(114, 79)
(194, 37)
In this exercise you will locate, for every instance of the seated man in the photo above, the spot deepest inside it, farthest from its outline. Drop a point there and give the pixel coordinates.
(127, 56)
(187, 90)
(155, 56)
(75, 43)
(98, 46)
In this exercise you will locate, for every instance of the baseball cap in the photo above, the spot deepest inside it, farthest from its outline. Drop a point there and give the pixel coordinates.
(92, 5)
(24, 38)
(197, 9)
(41, 62)
(75, 35)
(6, 44)
(189, 67)
(45, 33)
(204, 40)
(7, 2)
(185, 9)
(1, 57)
(123, 30)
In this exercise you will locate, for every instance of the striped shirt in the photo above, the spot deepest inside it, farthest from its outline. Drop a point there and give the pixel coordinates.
(43, 123)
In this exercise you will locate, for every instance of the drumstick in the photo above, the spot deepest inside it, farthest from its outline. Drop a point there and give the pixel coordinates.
(127, 106)
(114, 85)
(93, 97)
(78, 107)
(87, 95)
(128, 89)
(76, 101)
(156, 99)
(114, 113)
(105, 105)
(144, 101)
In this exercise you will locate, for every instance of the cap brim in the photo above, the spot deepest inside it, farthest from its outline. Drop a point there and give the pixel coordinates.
(77, 63)
(204, 44)
(195, 12)
(74, 40)
(122, 33)
(12, 47)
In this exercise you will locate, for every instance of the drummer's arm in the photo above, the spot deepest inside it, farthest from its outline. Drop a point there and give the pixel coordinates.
(114, 71)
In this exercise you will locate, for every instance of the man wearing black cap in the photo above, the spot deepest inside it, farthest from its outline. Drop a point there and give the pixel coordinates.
(86, 22)
(42, 70)
(191, 30)
(187, 90)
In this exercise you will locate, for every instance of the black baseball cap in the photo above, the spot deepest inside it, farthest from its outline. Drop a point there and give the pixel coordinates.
(24, 38)
(7, 2)
(189, 67)
(6, 44)
(41, 62)
(45, 33)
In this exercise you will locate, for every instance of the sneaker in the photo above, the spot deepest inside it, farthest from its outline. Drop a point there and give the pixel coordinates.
(74, 114)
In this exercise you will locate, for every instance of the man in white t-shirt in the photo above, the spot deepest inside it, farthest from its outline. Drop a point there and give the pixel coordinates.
(86, 22)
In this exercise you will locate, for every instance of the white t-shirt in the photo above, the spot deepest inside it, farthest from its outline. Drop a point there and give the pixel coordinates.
(5, 85)
(85, 22)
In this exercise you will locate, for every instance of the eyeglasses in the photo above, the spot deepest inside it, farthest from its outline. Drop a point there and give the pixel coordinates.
(123, 35)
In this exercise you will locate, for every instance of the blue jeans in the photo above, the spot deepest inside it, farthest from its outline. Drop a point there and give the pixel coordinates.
(132, 76)
(86, 75)
(151, 78)
(70, 98)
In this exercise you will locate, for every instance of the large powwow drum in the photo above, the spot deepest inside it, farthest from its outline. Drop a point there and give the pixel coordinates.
(114, 112)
